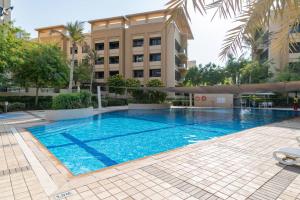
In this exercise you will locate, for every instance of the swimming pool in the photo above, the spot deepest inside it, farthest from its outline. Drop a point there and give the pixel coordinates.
(85, 145)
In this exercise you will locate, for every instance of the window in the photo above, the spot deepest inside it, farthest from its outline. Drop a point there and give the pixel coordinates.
(177, 46)
(155, 41)
(99, 75)
(177, 61)
(155, 73)
(138, 73)
(112, 73)
(114, 45)
(138, 42)
(114, 60)
(138, 58)
(295, 48)
(76, 50)
(295, 29)
(99, 46)
(99, 61)
(85, 49)
(177, 76)
(155, 57)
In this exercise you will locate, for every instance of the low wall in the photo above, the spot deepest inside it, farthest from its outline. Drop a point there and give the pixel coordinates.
(148, 106)
(55, 115)
(213, 100)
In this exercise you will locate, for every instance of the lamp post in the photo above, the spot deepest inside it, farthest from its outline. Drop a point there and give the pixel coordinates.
(4, 11)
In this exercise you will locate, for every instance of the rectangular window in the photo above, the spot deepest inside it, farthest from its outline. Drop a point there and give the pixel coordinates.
(114, 60)
(155, 72)
(99, 61)
(155, 57)
(295, 29)
(177, 61)
(177, 46)
(155, 41)
(138, 58)
(138, 42)
(99, 75)
(138, 73)
(295, 48)
(112, 73)
(85, 49)
(99, 46)
(76, 50)
(177, 76)
(114, 45)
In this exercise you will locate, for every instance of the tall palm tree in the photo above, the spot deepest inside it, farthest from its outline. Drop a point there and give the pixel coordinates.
(250, 16)
(74, 32)
(92, 56)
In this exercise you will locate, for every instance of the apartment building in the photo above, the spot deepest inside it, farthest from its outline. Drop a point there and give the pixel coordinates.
(141, 46)
(269, 50)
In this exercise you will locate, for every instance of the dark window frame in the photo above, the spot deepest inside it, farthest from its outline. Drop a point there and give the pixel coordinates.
(135, 60)
(99, 61)
(155, 73)
(97, 75)
(154, 57)
(111, 58)
(138, 73)
(114, 45)
(99, 46)
(155, 41)
(138, 42)
(112, 73)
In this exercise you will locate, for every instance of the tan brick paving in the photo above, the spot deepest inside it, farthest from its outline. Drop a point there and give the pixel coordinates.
(237, 166)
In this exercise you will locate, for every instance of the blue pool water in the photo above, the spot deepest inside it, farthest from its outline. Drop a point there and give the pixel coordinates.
(86, 145)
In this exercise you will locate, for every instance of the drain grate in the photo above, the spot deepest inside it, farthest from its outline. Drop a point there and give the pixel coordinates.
(180, 184)
(276, 185)
(14, 170)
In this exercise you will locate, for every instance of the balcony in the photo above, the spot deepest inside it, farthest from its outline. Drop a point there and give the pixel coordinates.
(182, 67)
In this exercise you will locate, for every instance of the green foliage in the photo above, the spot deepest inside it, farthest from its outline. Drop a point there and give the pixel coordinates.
(210, 74)
(17, 106)
(45, 102)
(72, 101)
(134, 88)
(154, 96)
(12, 44)
(82, 73)
(44, 66)
(255, 72)
(116, 84)
(290, 72)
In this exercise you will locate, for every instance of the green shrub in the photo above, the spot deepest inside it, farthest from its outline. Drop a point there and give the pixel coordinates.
(72, 101)
(180, 102)
(153, 95)
(116, 102)
(17, 106)
(116, 84)
(45, 102)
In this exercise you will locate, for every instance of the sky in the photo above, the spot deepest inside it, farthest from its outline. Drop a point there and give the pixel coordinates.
(31, 14)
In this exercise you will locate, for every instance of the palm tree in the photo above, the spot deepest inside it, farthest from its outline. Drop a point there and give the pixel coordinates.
(250, 16)
(74, 32)
(92, 56)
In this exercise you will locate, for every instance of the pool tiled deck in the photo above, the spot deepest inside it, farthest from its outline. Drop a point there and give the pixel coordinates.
(238, 166)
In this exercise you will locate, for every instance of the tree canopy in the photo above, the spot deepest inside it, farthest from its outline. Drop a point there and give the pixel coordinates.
(44, 66)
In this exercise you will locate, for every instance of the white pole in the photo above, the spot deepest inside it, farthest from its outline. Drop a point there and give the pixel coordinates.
(191, 100)
(99, 96)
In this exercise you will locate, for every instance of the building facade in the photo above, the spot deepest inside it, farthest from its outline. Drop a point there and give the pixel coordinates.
(143, 46)
(269, 50)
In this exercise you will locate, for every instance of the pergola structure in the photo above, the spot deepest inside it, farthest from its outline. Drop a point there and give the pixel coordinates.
(281, 87)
